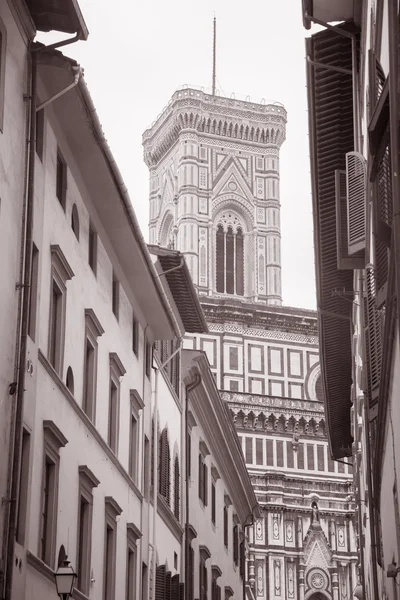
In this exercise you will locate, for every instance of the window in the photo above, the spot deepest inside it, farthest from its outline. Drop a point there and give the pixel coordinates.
(203, 580)
(61, 179)
(146, 468)
(23, 487)
(92, 249)
(189, 454)
(226, 526)
(259, 451)
(164, 466)
(279, 454)
(289, 455)
(148, 358)
(87, 481)
(152, 482)
(75, 221)
(132, 535)
(135, 335)
(113, 510)
(115, 296)
(3, 45)
(40, 133)
(230, 258)
(176, 488)
(213, 502)
(300, 456)
(203, 480)
(93, 330)
(270, 453)
(116, 371)
(235, 537)
(310, 457)
(321, 458)
(33, 291)
(53, 441)
(69, 380)
(61, 273)
(242, 554)
(136, 406)
(191, 573)
(249, 450)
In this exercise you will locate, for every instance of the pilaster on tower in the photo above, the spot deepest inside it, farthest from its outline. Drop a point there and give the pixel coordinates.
(214, 191)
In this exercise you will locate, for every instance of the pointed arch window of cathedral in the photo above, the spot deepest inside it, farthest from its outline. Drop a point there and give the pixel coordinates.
(230, 260)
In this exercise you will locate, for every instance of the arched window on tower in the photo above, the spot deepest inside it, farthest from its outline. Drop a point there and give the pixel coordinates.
(230, 256)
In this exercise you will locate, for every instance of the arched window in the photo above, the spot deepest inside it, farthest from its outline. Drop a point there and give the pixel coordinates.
(164, 464)
(75, 221)
(176, 488)
(230, 256)
(70, 380)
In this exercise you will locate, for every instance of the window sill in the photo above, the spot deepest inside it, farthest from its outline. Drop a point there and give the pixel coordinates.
(169, 518)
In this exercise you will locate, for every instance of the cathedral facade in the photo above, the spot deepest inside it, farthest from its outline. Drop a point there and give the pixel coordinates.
(214, 195)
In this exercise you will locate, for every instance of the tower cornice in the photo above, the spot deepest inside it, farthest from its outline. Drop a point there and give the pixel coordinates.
(227, 118)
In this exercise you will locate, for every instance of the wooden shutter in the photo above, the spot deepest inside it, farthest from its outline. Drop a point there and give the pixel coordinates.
(225, 526)
(201, 477)
(191, 573)
(242, 560)
(182, 591)
(205, 484)
(160, 582)
(168, 585)
(344, 260)
(356, 185)
(235, 545)
(175, 588)
(176, 488)
(168, 472)
(373, 336)
(213, 502)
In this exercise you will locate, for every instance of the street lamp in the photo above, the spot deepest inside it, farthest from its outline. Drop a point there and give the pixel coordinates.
(65, 580)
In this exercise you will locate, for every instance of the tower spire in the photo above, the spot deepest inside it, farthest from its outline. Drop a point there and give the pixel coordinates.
(214, 56)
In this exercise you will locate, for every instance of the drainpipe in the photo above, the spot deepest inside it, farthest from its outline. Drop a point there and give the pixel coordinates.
(154, 394)
(248, 523)
(78, 71)
(393, 22)
(22, 332)
(188, 388)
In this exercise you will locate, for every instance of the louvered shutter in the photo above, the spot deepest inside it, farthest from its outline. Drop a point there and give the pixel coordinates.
(218, 592)
(191, 573)
(373, 336)
(344, 260)
(152, 455)
(205, 491)
(242, 560)
(214, 590)
(160, 582)
(225, 526)
(175, 588)
(235, 545)
(201, 477)
(176, 488)
(356, 182)
(167, 472)
(182, 591)
(168, 585)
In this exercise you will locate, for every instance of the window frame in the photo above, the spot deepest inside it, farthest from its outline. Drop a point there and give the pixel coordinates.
(53, 441)
(132, 536)
(87, 481)
(117, 371)
(136, 408)
(112, 511)
(23, 490)
(93, 330)
(33, 292)
(61, 272)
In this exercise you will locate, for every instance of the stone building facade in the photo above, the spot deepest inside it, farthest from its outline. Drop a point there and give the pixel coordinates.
(214, 194)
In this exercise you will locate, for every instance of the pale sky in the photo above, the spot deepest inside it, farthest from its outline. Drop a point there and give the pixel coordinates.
(139, 53)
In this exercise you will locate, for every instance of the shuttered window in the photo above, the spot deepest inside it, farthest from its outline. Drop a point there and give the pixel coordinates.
(235, 534)
(203, 580)
(203, 480)
(164, 466)
(242, 560)
(213, 502)
(177, 484)
(225, 526)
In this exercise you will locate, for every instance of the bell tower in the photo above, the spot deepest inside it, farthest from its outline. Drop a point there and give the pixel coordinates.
(214, 192)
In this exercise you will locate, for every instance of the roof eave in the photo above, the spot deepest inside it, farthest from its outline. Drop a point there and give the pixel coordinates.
(64, 16)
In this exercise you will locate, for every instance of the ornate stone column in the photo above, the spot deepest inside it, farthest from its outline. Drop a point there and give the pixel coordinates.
(301, 583)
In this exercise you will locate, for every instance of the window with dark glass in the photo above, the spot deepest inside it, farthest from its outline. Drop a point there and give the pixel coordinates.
(61, 179)
(230, 260)
(226, 526)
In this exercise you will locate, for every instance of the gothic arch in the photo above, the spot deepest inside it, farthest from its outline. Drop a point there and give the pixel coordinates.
(165, 236)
